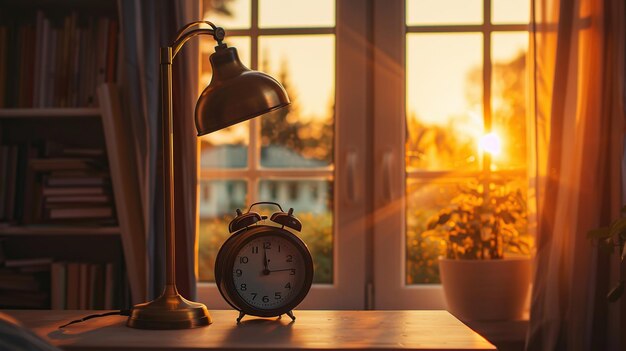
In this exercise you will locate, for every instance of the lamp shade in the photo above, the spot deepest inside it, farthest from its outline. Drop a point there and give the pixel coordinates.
(235, 93)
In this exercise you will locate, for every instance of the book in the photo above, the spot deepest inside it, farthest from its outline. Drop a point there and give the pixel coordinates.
(78, 199)
(79, 213)
(73, 191)
(83, 286)
(26, 262)
(15, 281)
(60, 181)
(58, 285)
(72, 286)
(110, 286)
(11, 177)
(96, 286)
(4, 162)
(63, 164)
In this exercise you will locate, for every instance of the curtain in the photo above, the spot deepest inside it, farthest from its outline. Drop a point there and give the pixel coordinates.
(578, 48)
(145, 27)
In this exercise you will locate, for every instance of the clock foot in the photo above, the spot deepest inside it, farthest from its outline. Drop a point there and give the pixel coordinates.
(290, 314)
(241, 315)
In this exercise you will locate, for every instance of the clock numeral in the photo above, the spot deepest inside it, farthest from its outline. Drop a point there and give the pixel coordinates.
(255, 250)
(254, 295)
(239, 272)
(265, 298)
(267, 245)
(243, 259)
(243, 287)
(277, 296)
(289, 258)
(292, 272)
(288, 286)
(278, 248)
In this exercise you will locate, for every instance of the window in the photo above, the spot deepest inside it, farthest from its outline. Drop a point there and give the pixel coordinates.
(285, 154)
(387, 124)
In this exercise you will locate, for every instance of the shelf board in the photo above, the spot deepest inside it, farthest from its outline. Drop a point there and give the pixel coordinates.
(58, 230)
(78, 112)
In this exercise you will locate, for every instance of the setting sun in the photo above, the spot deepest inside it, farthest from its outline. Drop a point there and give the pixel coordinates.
(490, 143)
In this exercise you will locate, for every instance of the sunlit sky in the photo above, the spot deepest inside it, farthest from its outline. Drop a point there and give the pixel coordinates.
(437, 64)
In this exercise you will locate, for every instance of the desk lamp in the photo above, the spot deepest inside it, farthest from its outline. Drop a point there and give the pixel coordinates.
(234, 95)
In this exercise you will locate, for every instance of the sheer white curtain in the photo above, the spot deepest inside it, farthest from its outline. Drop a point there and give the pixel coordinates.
(579, 78)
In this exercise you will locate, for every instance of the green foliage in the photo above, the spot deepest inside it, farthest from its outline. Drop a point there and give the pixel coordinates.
(316, 233)
(614, 235)
(616, 231)
(481, 224)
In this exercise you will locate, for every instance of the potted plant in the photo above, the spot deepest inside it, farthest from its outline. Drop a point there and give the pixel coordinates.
(481, 226)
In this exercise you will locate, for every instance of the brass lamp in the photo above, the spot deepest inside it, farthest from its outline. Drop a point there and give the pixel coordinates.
(234, 95)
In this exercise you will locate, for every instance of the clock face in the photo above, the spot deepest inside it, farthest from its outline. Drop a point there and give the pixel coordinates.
(269, 272)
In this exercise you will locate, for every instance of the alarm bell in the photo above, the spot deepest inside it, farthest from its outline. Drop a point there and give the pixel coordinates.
(243, 220)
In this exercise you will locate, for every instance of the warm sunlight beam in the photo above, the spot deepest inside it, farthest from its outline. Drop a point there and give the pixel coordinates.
(490, 143)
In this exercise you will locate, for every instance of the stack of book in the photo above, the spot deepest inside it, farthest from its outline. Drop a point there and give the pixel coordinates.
(83, 285)
(40, 283)
(55, 184)
(24, 283)
(56, 61)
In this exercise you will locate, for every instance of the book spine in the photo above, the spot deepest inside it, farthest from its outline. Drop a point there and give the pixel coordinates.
(73, 286)
(83, 286)
(58, 284)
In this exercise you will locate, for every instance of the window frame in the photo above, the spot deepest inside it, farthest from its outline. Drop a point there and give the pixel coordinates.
(348, 169)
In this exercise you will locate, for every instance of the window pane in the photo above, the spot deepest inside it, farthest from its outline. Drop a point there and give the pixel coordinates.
(218, 201)
(312, 201)
(226, 148)
(231, 14)
(510, 11)
(439, 12)
(423, 202)
(444, 101)
(296, 13)
(300, 135)
(509, 97)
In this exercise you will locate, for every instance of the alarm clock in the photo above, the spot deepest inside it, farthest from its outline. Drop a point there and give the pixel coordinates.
(264, 270)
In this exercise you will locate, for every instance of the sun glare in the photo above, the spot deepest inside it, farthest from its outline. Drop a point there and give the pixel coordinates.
(490, 143)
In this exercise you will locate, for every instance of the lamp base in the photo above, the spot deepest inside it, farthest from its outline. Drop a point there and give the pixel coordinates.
(169, 311)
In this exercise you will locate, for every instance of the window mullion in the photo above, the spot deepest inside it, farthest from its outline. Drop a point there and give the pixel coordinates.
(253, 144)
(487, 79)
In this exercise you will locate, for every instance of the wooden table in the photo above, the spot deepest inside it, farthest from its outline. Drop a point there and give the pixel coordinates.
(312, 330)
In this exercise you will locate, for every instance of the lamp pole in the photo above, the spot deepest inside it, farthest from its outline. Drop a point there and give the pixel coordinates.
(170, 310)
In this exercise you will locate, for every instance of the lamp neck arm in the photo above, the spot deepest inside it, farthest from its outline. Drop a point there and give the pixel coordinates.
(185, 34)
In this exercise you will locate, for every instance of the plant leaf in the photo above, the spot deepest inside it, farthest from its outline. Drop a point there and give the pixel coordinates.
(600, 233)
(616, 292)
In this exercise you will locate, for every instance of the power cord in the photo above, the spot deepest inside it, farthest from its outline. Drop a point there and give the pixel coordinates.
(113, 313)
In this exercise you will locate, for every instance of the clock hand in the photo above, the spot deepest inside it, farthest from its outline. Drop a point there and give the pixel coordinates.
(266, 270)
(283, 270)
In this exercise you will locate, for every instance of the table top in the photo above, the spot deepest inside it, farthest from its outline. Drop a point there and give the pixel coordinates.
(312, 330)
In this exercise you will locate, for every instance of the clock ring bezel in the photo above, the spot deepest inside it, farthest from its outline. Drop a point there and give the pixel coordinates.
(226, 259)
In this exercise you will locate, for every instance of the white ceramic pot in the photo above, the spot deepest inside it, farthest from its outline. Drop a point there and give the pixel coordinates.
(478, 290)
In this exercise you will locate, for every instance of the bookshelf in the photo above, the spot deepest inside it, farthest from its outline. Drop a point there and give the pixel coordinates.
(77, 112)
(56, 112)
(24, 230)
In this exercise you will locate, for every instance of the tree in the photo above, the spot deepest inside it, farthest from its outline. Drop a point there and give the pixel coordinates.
(312, 139)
